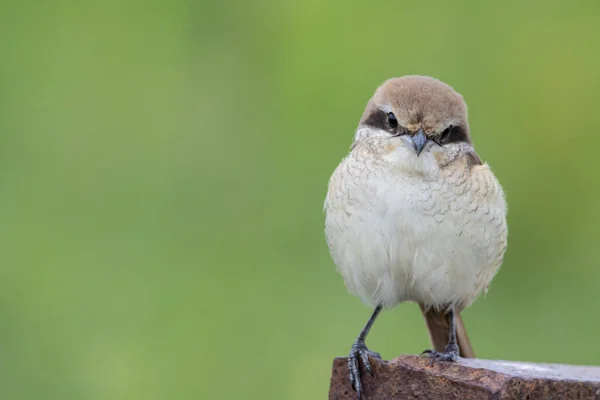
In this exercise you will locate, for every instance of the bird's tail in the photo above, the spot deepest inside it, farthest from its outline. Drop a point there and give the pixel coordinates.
(438, 323)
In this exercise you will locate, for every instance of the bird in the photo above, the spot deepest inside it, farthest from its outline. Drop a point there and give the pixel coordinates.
(413, 214)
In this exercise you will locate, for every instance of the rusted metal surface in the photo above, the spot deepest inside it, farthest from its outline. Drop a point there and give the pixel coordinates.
(412, 377)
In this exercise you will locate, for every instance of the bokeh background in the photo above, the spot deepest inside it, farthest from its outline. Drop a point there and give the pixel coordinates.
(163, 166)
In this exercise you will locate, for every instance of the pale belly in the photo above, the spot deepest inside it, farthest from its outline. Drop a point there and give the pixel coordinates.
(436, 243)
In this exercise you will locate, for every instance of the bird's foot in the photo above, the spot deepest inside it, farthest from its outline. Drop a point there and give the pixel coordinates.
(360, 352)
(450, 354)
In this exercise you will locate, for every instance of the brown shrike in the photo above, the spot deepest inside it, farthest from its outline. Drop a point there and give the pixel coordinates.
(413, 214)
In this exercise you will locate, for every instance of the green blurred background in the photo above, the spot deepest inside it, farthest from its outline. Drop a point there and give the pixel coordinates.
(163, 168)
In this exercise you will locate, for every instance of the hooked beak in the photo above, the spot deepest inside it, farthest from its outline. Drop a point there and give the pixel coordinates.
(419, 140)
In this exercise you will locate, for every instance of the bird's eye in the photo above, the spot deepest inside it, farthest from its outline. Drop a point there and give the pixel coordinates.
(392, 120)
(446, 133)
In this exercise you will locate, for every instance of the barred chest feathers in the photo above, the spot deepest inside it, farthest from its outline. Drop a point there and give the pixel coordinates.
(419, 233)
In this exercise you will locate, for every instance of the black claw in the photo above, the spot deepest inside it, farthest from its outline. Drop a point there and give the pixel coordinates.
(450, 353)
(353, 368)
(360, 351)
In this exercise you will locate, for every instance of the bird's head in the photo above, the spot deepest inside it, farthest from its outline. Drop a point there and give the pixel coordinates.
(417, 120)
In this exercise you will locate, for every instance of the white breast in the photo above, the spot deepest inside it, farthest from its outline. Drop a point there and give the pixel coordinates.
(435, 238)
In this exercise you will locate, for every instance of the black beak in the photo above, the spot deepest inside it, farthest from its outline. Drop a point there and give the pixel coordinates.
(419, 140)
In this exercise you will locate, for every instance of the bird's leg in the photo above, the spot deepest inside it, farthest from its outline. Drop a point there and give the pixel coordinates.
(451, 351)
(360, 351)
